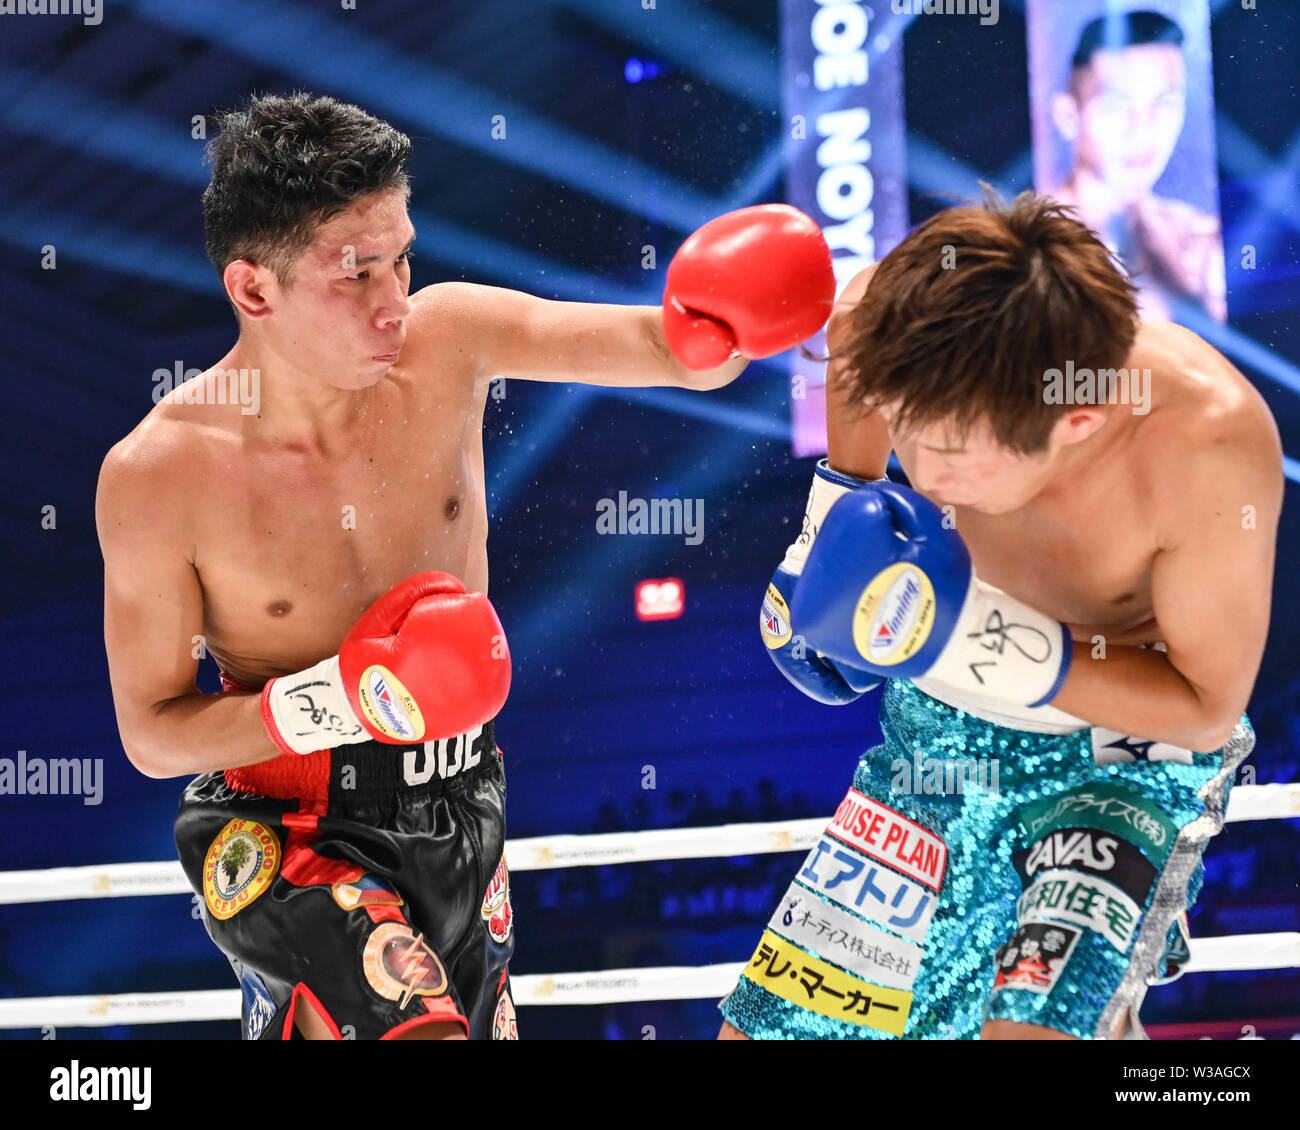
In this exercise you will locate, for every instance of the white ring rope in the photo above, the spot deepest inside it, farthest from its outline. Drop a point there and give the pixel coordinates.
(610, 986)
(539, 853)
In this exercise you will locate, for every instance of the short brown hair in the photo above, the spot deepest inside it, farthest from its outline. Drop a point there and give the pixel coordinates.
(1027, 288)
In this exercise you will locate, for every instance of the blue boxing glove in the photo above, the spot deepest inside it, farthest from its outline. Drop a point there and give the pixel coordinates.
(819, 678)
(888, 589)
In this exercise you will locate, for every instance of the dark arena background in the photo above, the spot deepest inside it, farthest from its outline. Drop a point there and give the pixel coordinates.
(566, 148)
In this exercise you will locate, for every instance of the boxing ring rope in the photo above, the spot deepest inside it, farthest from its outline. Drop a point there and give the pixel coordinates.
(610, 986)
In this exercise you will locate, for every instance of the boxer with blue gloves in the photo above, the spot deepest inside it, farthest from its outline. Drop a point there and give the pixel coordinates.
(1068, 608)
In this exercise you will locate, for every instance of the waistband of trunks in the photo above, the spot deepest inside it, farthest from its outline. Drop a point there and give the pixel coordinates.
(369, 771)
(366, 771)
(1031, 719)
(908, 714)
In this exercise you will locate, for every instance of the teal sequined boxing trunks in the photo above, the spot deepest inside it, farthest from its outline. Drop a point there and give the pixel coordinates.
(977, 872)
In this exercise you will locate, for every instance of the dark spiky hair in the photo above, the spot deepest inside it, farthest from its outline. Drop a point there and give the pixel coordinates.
(287, 164)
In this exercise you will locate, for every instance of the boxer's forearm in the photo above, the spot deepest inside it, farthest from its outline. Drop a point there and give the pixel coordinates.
(858, 442)
(1138, 691)
(678, 374)
(585, 342)
(857, 438)
(197, 733)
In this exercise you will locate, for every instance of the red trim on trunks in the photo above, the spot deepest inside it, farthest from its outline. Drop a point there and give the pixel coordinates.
(300, 821)
(440, 1009)
(304, 868)
(315, 1005)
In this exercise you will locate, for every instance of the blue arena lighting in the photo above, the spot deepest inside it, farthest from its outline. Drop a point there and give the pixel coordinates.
(634, 70)
(552, 620)
(1235, 344)
(42, 107)
(51, 111)
(345, 60)
(564, 406)
(1278, 196)
(932, 170)
(142, 256)
(736, 60)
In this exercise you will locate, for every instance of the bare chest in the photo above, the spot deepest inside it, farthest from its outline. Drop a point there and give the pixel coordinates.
(1087, 564)
(292, 549)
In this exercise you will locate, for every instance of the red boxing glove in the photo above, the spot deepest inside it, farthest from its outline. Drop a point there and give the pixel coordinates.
(427, 660)
(754, 282)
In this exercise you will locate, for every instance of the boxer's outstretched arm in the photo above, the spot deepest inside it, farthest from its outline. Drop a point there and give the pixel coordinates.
(513, 334)
(1212, 586)
(153, 612)
(857, 438)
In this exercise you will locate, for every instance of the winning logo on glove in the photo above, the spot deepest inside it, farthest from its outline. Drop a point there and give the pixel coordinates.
(894, 615)
(389, 705)
(774, 620)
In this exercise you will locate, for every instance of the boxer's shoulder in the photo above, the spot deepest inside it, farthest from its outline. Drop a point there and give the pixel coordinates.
(455, 315)
(157, 466)
(1208, 423)
(1201, 395)
(447, 341)
(853, 293)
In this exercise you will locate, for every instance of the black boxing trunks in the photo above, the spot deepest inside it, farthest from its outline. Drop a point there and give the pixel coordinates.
(367, 883)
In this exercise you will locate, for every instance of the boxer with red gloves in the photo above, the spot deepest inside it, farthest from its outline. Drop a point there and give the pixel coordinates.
(335, 855)
(344, 831)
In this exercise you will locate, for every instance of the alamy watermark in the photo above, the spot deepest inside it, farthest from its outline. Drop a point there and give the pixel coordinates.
(211, 386)
(53, 776)
(76, 1083)
(1073, 385)
(987, 10)
(90, 11)
(677, 516)
(941, 776)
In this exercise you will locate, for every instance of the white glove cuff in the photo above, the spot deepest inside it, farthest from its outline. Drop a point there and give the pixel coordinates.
(309, 711)
(1004, 650)
(828, 486)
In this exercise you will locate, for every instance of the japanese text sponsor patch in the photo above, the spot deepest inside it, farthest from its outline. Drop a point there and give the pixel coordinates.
(825, 930)
(792, 974)
(1034, 957)
(1085, 900)
(1114, 858)
(1110, 808)
(885, 897)
(890, 837)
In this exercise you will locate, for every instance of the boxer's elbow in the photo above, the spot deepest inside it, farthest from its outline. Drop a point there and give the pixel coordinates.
(156, 773)
(147, 749)
(1213, 729)
(1214, 737)
(709, 379)
(144, 757)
